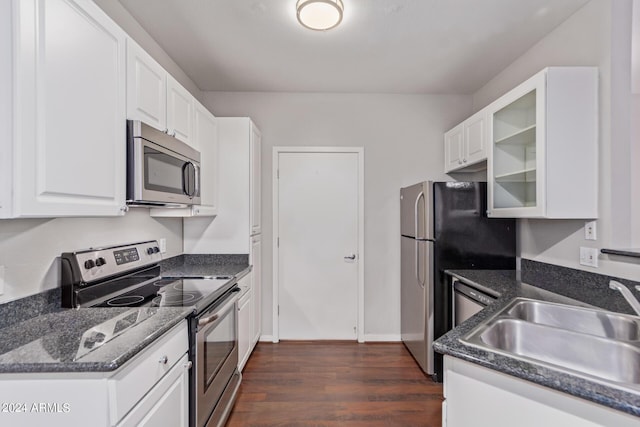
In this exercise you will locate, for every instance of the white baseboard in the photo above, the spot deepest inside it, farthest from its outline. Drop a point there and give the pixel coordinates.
(367, 338)
(382, 338)
(266, 338)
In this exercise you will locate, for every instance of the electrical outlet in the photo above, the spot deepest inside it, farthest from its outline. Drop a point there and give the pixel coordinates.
(163, 245)
(590, 230)
(589, 257)
(1, 279)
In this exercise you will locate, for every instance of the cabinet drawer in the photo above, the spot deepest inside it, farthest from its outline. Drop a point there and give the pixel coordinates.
(129, 385)
(245, 282)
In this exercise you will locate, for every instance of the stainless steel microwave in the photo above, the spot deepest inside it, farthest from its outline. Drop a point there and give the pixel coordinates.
(161, 170)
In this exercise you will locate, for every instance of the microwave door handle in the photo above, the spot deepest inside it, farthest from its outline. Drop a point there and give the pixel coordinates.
(185, 178)
(197, 181)
(188, 186)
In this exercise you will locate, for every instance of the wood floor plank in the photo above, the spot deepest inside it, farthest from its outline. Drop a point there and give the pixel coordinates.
(335, 384)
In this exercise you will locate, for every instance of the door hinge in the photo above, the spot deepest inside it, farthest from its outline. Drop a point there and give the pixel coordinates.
(278, 173)
(278, 310)
(278, 242)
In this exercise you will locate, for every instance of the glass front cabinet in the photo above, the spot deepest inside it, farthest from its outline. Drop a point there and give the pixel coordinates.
(543, 154)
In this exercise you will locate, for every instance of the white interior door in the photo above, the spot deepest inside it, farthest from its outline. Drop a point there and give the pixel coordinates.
(318, 226)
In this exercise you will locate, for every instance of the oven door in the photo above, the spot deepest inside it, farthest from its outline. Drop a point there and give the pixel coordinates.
(216, 355)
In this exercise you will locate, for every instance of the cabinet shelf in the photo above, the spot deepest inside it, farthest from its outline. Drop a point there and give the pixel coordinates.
(522, 137)
(526, 175)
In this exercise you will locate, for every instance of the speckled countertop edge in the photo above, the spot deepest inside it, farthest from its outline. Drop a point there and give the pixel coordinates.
(510, 284)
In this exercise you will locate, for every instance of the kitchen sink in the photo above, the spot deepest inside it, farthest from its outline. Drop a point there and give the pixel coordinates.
(591, 343)
(588, 321)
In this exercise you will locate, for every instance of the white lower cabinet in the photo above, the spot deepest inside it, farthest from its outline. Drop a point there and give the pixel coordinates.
(478, 396)
(149, 390)
(245, 321)
(245, 326)
(255, 259)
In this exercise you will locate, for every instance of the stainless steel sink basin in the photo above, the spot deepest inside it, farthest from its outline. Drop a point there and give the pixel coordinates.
(591, 343)
(587, 321)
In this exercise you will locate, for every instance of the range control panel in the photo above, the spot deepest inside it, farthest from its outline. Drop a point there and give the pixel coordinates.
(99, 263)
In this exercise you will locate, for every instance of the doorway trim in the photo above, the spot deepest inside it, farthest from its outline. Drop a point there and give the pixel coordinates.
(276, 232)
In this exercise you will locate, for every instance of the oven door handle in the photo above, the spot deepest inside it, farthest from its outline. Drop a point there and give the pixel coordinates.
(215, 316)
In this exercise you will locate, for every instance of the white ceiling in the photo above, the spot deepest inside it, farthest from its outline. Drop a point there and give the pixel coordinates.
(392, 46)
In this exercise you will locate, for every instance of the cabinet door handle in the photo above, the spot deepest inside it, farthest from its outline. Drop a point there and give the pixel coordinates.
(163, 360)
(188, 365)
(464, 160)
(351, 257)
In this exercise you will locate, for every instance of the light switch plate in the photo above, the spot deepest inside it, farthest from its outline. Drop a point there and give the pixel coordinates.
(163, 245)
(589, 257)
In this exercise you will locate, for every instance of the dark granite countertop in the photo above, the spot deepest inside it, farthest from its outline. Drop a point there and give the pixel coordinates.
(206, 265)
(37, 335)
(83, 340)
(550, 283)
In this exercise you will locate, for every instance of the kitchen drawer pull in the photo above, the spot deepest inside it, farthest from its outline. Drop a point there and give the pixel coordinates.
(163, 360)
(188, 365)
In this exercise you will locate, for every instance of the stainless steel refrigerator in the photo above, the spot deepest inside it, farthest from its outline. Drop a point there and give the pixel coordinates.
(444, 225)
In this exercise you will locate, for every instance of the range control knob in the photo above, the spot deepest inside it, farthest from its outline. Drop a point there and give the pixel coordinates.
(150, 251)
(100, 262)
(89, 264)
(156, 250)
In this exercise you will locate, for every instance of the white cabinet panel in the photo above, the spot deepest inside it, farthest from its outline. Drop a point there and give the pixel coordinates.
(255, 259)
(238, 215)
(256, 146)
(179, 111)
(453, 145)
(69, 155)
(206, 141)
(245, 327)
(146, 88)
(167, 404)
(475, 395)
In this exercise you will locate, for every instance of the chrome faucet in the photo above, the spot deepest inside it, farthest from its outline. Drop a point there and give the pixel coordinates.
(626, 293)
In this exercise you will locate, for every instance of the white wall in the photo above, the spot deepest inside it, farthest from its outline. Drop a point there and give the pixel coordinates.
(403, 140)
(598, 34)
(29, 248)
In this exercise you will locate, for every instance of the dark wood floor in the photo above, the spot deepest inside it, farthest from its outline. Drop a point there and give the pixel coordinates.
(335, 384)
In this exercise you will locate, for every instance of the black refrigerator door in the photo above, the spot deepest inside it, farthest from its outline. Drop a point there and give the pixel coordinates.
(465, 239)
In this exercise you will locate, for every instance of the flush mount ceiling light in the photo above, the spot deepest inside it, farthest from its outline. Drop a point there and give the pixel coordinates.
(319, 14)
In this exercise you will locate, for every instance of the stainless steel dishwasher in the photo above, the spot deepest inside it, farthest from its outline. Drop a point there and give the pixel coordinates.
(467, 301)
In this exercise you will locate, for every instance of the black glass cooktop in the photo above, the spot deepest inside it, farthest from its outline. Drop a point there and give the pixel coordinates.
(172, 293)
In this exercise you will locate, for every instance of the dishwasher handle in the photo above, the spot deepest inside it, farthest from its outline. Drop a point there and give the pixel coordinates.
(474, 294)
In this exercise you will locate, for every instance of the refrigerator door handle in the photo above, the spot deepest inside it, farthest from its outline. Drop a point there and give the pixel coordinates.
(415, 214)
(420, 282)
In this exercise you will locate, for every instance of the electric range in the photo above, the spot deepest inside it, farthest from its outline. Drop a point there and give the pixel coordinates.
(130, 276)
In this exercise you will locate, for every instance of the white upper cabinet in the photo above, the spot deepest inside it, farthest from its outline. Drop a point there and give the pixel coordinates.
(180, 105)
(453, 143)
(156, 98)
(206, 141)
(256, 146)
(68, 111)
(465, 145)
(146, 88)
(543, 160)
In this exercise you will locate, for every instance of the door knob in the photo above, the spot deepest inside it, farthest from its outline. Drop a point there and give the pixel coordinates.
(351, 257)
